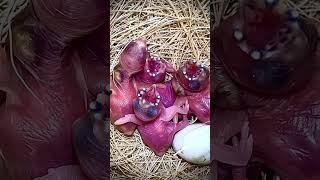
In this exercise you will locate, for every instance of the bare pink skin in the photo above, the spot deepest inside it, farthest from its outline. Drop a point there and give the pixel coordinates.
(159, 134)
(239, 153)
(166, 90)
(189, 70)
(36, 137)
(132, 61)
(121, 99)
(180, 106)
(160, 67)
(167, 93)
(43, 133)
(147, 106)
(64, 172)
(283, 120)
(233, 155)
(155, 70)
(36, 134)
(200, 105)
(71, 19)
(197, 91)
(134, 56)
(154, 118)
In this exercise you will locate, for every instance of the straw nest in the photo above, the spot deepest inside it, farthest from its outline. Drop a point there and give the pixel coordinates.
(177, 30)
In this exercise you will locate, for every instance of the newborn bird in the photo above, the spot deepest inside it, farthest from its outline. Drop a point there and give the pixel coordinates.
(141, 98)
(157, 124)
(121, 99)
(154, 71)
(134, 56)
(195, 83)
(265, 68)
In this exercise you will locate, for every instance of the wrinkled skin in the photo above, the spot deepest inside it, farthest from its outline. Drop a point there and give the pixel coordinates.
(129, 106)
(193, 77)
(145, 99)
(167, 93)
(132, 60)
(227, 125)
(56, 61)
(200, 105)
(134, 56)
(180, 106)
(121, 99)
(91, 147)
(158, 133)
(196, 90)
(166, 90)
(283, 112)
(130, 76)
(147, 105)
(154, 71)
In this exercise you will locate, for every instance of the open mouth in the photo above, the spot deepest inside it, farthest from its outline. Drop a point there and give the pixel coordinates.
(149, 97)
(193, 76)
(281, 38)
(154, 66)
(147, 104)
(192, 71)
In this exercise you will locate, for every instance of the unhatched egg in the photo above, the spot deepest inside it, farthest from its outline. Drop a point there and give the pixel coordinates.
(193, 143)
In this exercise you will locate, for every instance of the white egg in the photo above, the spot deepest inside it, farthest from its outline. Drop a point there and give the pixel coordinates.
(193, 143)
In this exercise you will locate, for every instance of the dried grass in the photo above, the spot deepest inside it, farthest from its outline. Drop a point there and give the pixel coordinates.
(177, 31)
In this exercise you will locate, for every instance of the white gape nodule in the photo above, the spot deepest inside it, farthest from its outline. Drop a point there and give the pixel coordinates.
(193, 143)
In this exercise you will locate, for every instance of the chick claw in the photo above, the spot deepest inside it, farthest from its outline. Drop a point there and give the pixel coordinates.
(240, 153)
(244, 146)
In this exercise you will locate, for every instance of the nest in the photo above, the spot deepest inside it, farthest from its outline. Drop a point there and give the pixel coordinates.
(177, 31)
(9, 9)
